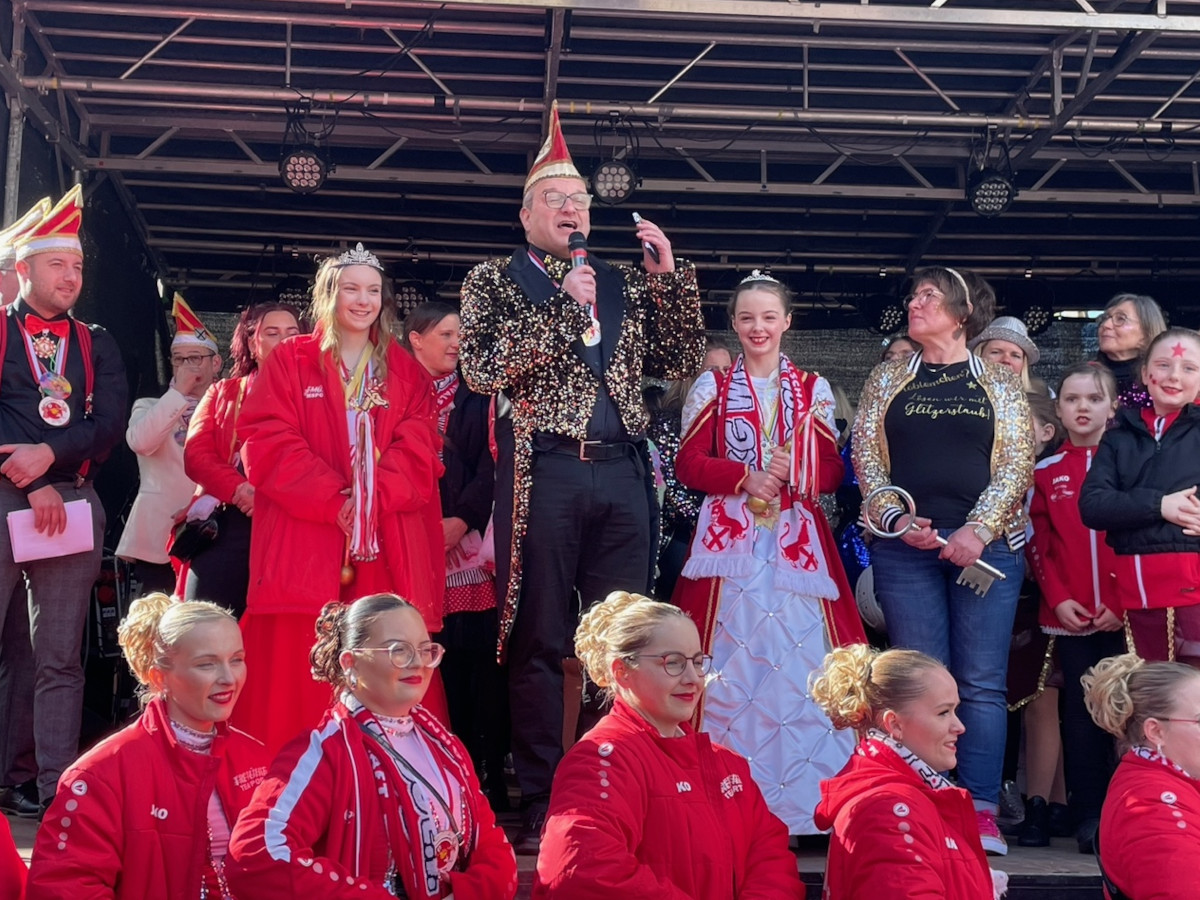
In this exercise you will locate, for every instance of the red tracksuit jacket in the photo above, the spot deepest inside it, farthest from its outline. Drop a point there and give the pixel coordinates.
(130, 819)
(1069, 560)
(1150, 831)
(634, 814)
(895, 837)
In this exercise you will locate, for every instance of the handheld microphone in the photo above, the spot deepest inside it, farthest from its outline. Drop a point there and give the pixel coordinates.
(577, 244)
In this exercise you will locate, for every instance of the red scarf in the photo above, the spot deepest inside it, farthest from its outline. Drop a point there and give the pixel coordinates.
(444, 389)
(411, 826)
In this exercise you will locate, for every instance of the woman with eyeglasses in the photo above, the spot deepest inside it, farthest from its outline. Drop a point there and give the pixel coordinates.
(379, 800)
(1124, 330)
(1150, 824)
(953, 431)
(341, 446)
(212, 457)
(643, 805)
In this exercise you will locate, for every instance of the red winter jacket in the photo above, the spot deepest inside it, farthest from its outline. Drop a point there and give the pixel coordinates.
(1150, 831)
(895, 837)
(296, 448)
(212, 438)
(13, 871)
(1068, 559)
(130, 820)
(315, 827)
(634, 814)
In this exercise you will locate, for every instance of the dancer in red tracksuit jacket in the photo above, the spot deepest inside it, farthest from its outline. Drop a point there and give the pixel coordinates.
(1150, 827)
(379, 800)
(644, 806)
(900, 829)
(146, 813)
(1076, 571)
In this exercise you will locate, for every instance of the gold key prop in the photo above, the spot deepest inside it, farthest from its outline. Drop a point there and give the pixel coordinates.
(979, 577)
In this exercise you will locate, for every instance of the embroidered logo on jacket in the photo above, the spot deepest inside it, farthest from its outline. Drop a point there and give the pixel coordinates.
(950, 845)
(250, 779)
(682, 786)
(158, 812)
(731, 785)
(314, 392)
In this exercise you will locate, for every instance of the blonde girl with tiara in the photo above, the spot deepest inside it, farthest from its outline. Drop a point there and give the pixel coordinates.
(764, 581)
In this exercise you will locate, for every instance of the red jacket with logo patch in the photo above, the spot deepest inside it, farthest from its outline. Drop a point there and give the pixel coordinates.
(296, 448)
(1069, 560)
(130, 819)
(895, 837)
(634, 814)
(1150, 831)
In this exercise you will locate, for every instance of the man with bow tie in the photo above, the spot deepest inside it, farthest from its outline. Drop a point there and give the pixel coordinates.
(568, 346)
(62, 409)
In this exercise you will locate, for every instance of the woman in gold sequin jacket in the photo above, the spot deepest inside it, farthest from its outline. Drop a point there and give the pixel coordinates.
(954, 431)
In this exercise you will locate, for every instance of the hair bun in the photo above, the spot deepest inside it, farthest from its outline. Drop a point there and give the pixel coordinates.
(841, 686)
(1106, 692)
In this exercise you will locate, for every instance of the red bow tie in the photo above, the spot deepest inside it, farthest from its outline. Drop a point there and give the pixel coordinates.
(36, 325)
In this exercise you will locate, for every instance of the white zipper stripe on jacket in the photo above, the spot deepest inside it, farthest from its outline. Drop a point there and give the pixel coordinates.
(1087, 467)
(297, 784)
(1137, 570)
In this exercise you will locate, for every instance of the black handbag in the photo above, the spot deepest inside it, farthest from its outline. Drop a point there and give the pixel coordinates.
(190, 538)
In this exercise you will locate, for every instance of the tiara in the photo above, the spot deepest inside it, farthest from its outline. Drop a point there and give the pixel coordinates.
(756, 275)
(359, 256)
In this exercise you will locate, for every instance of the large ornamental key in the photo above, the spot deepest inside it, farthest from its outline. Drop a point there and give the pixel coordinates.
(979, 577)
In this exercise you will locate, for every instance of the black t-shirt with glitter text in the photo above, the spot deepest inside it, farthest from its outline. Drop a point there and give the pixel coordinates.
(940, 428)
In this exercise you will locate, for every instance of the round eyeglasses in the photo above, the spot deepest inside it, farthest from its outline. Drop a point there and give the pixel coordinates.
(404, 655)
(675, 663)
(557, 199)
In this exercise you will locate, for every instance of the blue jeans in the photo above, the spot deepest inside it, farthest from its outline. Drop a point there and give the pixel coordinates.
(927, 611)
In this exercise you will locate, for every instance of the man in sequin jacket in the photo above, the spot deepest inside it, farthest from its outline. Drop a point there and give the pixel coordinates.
(569, 347)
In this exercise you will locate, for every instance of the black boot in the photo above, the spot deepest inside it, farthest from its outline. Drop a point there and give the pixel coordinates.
(1060, 821)
(1035, 830)
(529, 839)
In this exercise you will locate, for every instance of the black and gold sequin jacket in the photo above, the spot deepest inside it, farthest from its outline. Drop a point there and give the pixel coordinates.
(1001, 506)
(520, 335)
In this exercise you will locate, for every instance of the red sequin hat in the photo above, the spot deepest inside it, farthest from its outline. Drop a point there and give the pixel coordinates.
(58, 231)
(554, 159)
(23, 225)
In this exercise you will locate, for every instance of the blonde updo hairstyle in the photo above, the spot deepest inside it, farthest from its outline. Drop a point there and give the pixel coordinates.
(153, 628)
(347, 626)
(1122, 692)
(620, 627)
(857, 684)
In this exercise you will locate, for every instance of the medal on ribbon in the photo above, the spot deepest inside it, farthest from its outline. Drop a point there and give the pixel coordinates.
(54, 387)
(45, 345)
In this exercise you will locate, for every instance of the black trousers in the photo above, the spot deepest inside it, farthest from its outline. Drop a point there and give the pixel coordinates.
(589, 534)
(477, 691)
(1089, 752)
(221, 573)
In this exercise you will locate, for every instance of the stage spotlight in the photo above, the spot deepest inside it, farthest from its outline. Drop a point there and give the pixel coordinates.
(614, 182)
(303, 169)
(884, 313)
(409, 295)
(1037, 318)
(990, 192)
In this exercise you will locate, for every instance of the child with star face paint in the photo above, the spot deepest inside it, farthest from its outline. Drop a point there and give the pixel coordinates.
(1142, 490)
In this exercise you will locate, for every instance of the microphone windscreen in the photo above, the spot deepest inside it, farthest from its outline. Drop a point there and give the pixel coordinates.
(576, 241)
